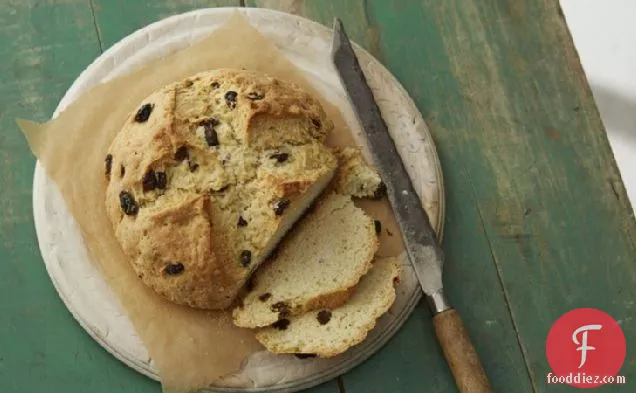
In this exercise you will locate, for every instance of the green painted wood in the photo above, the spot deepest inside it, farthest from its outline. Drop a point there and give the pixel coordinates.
(118, 18)
(44, 46)
(534, 195)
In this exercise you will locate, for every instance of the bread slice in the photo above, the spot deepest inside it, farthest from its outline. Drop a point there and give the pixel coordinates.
(316, 266)
(355, 177)
(328, 333)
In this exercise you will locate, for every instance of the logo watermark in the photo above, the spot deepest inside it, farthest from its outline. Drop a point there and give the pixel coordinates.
(588, 380)
(585, 348)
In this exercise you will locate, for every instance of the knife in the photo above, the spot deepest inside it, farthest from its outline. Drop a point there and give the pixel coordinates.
(422, 248)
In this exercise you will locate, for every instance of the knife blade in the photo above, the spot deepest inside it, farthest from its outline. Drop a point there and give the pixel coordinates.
(419, 238)
(422, 248)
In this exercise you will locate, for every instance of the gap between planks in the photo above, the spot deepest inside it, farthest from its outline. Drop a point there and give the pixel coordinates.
(524, 355)
(97, 32)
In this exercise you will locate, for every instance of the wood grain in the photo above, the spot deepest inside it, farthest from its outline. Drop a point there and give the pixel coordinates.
(461, 356)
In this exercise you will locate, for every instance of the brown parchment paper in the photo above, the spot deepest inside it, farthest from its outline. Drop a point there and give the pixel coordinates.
(191, 348)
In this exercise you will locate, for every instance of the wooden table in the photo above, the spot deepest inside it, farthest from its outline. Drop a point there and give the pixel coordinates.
(538, 221)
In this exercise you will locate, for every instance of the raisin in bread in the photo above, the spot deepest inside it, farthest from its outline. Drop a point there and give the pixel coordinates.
(328, 333)
(316, 266)
(206, 177)
(355, 177)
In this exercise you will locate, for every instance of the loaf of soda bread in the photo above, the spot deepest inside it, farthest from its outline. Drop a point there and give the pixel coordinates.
(208, 174)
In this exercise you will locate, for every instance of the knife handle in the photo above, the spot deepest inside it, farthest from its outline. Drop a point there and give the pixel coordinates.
(460, 353)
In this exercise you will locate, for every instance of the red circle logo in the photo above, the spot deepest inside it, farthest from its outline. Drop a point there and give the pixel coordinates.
(585, 348)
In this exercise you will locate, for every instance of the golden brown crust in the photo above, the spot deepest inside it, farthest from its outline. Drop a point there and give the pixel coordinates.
(329, 301)
(198, 157)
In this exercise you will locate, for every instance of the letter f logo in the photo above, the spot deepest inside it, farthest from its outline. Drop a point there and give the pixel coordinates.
(584, 347)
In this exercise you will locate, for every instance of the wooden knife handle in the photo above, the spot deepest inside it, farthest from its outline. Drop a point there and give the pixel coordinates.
(460, 353)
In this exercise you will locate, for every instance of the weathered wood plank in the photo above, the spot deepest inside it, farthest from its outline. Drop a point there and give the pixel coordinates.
(413, 359)
(116, 19)
(555, 212)
(44, 44)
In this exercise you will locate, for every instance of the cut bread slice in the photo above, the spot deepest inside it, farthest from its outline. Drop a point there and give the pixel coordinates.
(328, 333)
(317, 266)
(293, 213)
(355, 177)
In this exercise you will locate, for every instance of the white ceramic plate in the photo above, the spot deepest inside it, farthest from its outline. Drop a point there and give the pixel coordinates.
(307, 45)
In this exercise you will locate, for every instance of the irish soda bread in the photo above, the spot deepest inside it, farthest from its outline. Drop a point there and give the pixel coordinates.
(327, 333)
(316, 266)
(207, 175)
(355, 177)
